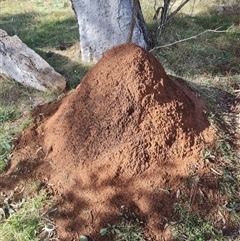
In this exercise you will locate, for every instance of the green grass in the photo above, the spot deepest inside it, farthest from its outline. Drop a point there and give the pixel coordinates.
(210, 54)
(8, 114)
(38, 25)
(6, 147)
(15, 103)
(46, 26)
(125, 230)
(192, 227)
(22, 219)
(128, 228)
(191, 222)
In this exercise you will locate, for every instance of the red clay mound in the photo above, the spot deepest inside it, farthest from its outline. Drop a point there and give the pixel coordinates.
(124, 136)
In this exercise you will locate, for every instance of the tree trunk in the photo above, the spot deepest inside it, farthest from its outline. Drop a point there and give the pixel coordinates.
(22, 64)
(107, 23)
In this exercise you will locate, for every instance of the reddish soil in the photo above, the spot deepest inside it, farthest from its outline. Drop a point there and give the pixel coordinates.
(127, 136)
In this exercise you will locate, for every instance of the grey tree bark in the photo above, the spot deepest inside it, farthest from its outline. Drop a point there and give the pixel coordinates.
(22, 64)
(107, 23)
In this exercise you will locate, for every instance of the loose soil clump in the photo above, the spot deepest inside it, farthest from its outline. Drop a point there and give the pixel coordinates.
(126, 138)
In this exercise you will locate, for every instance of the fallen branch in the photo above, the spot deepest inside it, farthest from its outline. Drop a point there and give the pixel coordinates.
(193, 37)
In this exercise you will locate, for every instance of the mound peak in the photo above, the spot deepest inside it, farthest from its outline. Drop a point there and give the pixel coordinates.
(126, 102)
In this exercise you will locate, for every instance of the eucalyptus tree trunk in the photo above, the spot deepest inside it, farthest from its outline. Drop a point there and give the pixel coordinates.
(107, 23)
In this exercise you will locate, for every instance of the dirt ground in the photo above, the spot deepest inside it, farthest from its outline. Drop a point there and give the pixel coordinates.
(125, 140)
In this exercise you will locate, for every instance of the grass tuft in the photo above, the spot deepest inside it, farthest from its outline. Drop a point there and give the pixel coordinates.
(22, 219)
(192, 227)
(8, 114)
(124, 231)
(6, 147)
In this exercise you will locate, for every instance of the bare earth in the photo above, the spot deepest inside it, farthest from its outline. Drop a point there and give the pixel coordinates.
(125, 139)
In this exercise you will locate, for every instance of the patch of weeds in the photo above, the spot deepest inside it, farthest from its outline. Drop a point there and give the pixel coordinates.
(229, 182)
(10, 127)
(207, 155)
(191, 227)
(130, 232)
(124, 231)
(198, 215)
(8, 114)
(224, 147)
(229, 185)
(3, 165)
(109, 230)
(228, 175)
(227, 161)
(6, 147)
(234, 207)
(128, 229)
(21, 218)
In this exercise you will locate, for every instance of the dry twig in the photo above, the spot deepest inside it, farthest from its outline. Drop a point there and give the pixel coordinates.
(193, 37)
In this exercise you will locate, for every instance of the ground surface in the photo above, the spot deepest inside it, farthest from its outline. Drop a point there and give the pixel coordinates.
(125, 139)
